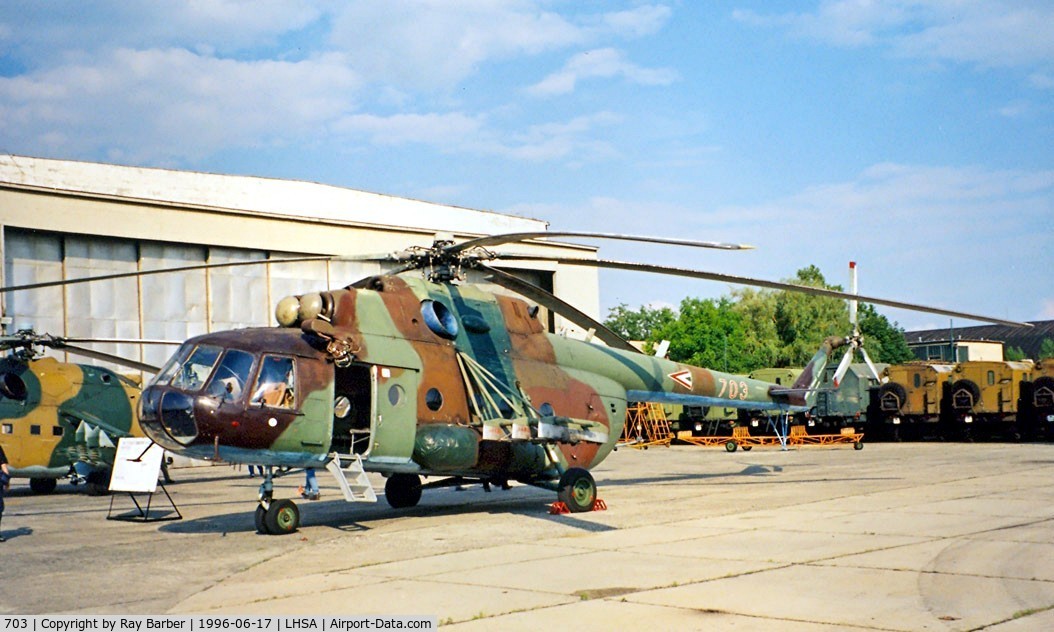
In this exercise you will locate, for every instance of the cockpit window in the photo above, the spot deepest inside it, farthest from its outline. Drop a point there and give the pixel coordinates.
(276, 384)
(173, 364)
(231, 376)
(193, 372)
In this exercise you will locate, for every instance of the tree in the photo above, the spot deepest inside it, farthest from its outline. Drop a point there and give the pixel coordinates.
(708, 333)
(754, 329)
(1046, 349)
(803, 320)
(883, 340)
(1014, 354)
(640, 324)
(757, 308)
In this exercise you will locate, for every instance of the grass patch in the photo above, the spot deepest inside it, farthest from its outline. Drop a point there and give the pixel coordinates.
(602, 593)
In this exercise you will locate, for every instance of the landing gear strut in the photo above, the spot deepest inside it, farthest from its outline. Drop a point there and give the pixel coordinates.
(275, 517)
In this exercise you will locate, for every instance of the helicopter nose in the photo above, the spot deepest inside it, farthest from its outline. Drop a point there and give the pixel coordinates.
(167, 417)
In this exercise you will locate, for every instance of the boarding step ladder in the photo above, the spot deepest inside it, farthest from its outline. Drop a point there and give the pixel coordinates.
(351, 478)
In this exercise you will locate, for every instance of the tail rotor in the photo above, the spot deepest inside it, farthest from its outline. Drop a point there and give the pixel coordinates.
(855, 341)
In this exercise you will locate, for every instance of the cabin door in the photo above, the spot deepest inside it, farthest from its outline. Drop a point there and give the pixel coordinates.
(394, 428)
(352, 405)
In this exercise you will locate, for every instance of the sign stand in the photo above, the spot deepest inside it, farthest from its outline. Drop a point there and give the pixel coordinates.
(135, 471)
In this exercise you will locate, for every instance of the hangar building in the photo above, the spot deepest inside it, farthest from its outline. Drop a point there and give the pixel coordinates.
(62, 219)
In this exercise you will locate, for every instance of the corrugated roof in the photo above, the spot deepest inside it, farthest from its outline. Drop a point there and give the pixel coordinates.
(262, 195)
(1028, 340)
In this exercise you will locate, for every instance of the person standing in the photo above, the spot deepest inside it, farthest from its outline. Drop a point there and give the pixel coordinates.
(5, 483)
(310, 490)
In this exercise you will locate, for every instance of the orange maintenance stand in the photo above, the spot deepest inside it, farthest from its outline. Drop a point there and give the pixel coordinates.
(797, 436)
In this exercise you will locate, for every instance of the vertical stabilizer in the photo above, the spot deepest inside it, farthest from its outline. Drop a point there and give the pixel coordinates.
(810, 378)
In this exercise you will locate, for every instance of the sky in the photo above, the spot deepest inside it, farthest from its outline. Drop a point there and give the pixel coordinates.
(915, 138)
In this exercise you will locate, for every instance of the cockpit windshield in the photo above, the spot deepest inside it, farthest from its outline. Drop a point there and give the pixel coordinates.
(231, 376)
(190, 367)
(173, 364)
(276, 384)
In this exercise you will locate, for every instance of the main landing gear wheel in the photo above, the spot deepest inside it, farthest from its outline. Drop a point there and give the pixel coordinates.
(578, 490)
(261, 524)
(403, 490)
(97, 482)
(42, 485)
(281, 517)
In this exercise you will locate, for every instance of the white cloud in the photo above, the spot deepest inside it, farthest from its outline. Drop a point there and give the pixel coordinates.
(639, 22)
(555, 141)
(985, 33)
(604, 63)
(460, 133)
(151, 105)
(412, 44)
(842, 22)
(174, 81)
(1017, 109)
(42, 32)
(442, 130)
(435, 44)
(964, 238)
(1041, 80)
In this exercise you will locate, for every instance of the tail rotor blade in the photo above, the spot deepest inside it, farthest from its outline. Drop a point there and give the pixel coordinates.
(870, 364)
(843, 366)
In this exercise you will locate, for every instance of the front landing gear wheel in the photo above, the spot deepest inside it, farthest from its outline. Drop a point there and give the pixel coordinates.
(97, 482)
(261, 524)
(282, 517)
(578, 490)
(42, 485)
(403, 490)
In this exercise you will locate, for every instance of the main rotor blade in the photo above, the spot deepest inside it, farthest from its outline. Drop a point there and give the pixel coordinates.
(105, 357)
(200, 266)
(507, 238)
(775, 285)
(123, 341)
(556, 305)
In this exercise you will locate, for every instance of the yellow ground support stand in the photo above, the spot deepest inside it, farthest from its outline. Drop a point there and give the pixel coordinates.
(798, 436)
(646, 425)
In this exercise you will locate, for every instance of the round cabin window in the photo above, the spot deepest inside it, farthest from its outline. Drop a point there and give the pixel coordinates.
(439, 319)
(396, 395)
(341, 407)
(13, 387)
(433, 399)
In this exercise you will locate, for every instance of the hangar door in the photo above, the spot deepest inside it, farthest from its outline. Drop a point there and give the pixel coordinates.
(171, 306)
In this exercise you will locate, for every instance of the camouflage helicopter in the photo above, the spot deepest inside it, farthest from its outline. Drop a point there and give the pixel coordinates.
(420, 373)
(59, 419)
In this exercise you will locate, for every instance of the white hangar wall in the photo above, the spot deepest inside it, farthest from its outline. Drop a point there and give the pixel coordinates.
(64, 220)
